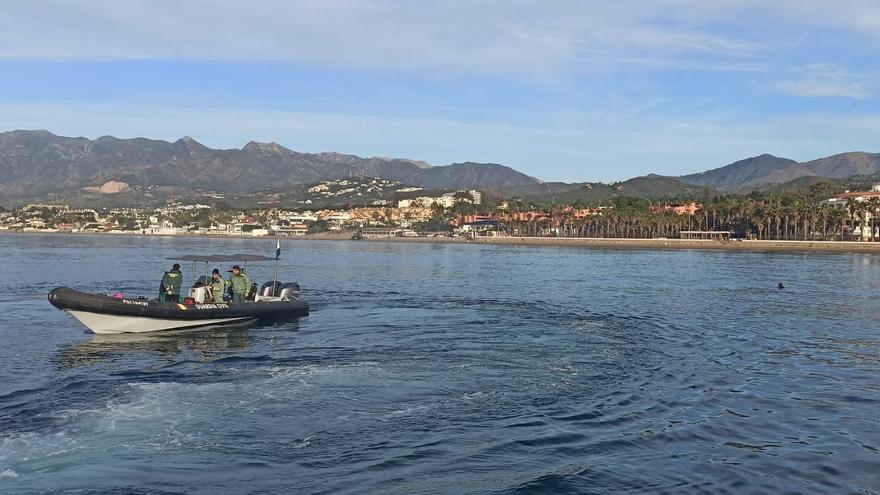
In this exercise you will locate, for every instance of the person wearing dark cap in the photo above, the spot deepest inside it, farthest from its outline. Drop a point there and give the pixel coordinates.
(218, 286)
(169, 289)
(240, 283)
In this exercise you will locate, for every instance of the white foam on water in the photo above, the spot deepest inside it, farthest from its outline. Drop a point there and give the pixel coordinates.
(304, 443)
(147, 416)
(405, 411)
(473, 396)
(27, 446)
(565, 367)
(309, 370)
(152, 401)
(164, 417)
(8, 473)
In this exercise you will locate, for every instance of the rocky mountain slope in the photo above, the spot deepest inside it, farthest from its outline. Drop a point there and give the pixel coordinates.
(767, 170)
(38, 163)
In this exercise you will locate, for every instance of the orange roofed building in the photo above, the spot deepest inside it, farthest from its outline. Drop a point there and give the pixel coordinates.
(677, 208)
(579, 213)
(528, 216)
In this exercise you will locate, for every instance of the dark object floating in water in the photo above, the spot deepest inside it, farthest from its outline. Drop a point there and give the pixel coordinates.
(780, 286)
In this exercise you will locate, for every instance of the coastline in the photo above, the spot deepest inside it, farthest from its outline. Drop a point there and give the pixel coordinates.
(582, 242)
(659, 244)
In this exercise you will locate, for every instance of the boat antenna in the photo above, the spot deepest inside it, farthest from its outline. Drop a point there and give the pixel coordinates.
(277, 255)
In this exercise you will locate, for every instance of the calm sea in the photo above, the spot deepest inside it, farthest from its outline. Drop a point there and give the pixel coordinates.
(450, 369)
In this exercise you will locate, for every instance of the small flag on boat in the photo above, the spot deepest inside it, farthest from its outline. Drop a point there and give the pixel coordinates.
(278, 249)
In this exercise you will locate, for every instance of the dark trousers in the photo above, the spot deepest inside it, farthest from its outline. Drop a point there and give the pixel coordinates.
(169, 298)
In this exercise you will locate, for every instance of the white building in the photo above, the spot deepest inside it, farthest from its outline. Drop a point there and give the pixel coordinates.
(337, 217)
(444, 201)
(427, 202)
(304, 217)
(841, 201)
(293, 230)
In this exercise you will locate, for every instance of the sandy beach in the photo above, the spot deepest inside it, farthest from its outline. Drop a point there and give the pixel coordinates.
(597, 243)
(606, 243)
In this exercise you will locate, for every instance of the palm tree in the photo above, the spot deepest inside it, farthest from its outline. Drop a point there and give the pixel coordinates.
(824, 214)
(758, 221)
(862, 212)
(839, 220)
(774, 209)
(873, 207)
(852, 207)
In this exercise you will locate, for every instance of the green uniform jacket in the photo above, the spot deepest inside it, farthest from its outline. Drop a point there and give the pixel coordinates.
(241, 284)
(218, 288)
(171, 282)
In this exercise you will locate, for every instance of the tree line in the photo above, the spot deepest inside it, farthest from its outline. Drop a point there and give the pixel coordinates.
(774, 216)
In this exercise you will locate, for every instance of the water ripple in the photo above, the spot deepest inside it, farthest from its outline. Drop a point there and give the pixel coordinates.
(451, 369)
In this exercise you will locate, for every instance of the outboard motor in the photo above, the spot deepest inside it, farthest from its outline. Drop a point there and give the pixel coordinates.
(289, 291)
(267, 290)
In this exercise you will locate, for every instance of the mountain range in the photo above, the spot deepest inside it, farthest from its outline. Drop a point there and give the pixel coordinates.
(765, 171)
(37, 165)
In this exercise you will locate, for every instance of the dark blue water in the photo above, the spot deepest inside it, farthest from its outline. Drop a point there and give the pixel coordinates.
(451, 369)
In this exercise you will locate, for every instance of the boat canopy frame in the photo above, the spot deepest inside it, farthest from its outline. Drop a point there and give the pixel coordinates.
(225, 258)
(220, 258)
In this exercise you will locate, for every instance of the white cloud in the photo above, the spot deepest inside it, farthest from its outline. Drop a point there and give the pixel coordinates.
(520, 38)
(535, 39)
(826, 80)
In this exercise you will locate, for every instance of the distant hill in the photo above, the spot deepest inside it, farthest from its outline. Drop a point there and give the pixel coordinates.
(649, 186)
(744, 173)
(768, 170)
(33, 163)
(658, 186)
(803, 185)
(835, 167)
(39, 164)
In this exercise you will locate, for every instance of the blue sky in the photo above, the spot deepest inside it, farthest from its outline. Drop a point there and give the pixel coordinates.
(562, 90)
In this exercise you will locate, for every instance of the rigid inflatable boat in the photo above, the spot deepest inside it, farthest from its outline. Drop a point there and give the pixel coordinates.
(109, 315)
(106, 315)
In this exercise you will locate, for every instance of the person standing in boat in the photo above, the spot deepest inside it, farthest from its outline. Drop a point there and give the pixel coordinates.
(240, 283)
(218, 286)
(169, 289)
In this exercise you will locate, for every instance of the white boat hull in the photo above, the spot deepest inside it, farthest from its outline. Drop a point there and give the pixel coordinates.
(105, 324)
